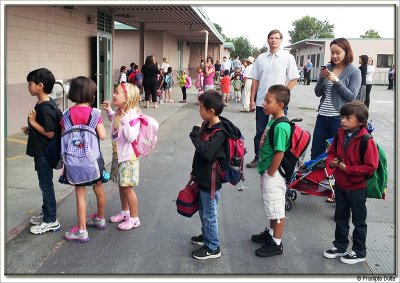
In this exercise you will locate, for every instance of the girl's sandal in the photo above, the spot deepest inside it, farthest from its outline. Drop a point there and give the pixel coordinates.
(330, 200)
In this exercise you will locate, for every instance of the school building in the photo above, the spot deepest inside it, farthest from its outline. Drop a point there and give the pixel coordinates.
(83, 40)
(381, 50)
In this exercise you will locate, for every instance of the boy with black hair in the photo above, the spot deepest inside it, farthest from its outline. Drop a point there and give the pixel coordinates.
(42, 125)
(209, 140)
(272, 183)
(351, 182)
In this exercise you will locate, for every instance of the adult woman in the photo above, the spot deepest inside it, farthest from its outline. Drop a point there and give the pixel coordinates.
(369, 80)
(164, 65)
(391, 73)
(363, 61)
(217, 75)
(337, 84)
(209, 71)
(150, 81)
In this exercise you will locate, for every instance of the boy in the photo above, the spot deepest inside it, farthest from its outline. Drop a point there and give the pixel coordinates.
(210, 143)
(350, 182)
(41, 128)
(225, 83)
(237, 87)
(272, 184)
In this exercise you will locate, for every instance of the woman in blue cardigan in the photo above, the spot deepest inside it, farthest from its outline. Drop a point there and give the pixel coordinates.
(338, 83)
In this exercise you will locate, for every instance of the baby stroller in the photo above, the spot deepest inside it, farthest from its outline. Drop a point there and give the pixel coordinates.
(312, 178)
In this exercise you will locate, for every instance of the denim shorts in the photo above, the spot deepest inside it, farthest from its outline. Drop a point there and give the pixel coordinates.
(273, 190)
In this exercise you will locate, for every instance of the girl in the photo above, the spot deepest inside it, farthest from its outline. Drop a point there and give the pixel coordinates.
(122, 74)
(369, 80)
(169, 82)
(125, 164)
(199, 81)
(82, 91)
(182, 81)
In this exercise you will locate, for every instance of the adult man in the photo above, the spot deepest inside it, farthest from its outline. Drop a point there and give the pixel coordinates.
(247, 80)
(309, 67)
(226, 65)
(275, 66)
(236, 63)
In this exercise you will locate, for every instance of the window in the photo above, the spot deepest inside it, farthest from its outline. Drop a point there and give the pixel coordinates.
(313, 59)
(301, 60)
(104, 22)
(384, 60)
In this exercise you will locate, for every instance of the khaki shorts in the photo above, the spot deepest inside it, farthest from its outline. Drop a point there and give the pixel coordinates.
(273, 191)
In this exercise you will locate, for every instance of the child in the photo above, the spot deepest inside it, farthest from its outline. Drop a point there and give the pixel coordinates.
(161, 86)
(83, 92)
(225, 83)
(272, 183)
(41, 128)
(209, 148)
(125, 163)
(132, 75)
(237, 87)
(122, 74)
(350, 182)
(199, 81)
(168, 83)
(182, 81)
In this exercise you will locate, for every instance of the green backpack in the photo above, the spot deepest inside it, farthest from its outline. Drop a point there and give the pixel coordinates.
(377, 181)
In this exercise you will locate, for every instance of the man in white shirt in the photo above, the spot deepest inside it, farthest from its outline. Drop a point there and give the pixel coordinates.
(247, 80)
(276, 66)
(226, 65)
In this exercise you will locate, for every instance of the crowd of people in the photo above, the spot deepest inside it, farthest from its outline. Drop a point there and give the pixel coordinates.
(262, 85)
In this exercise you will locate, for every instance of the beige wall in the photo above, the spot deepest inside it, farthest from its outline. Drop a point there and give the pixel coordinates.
(43, 36)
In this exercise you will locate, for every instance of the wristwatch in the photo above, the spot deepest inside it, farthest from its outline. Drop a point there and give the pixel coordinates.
(336, 80)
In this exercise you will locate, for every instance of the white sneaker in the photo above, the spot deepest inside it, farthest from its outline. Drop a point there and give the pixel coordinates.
(45, 227)
(37, 219)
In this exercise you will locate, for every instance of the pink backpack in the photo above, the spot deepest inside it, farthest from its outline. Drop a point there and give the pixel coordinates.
(188, 83)
(147, 137)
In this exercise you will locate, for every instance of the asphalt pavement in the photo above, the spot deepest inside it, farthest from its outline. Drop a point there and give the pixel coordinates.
(161, 245)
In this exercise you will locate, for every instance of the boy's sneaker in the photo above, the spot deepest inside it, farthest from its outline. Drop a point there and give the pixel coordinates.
(129, 224)
(92, 221)
(269, 249)
(262, 238)
(351, 258)
(333, 253)
(197, 240)
(74, 235)
(44, 227)
(206, 253)
(119, 217)
(37, 219)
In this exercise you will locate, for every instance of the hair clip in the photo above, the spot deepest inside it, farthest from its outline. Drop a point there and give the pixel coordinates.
(124, 87)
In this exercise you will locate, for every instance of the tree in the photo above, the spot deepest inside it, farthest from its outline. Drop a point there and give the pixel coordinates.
(219, 29)
(310, 27)
(243, 48)
(370, 34)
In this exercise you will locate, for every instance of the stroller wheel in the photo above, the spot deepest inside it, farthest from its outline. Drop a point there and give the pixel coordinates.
(288, 203)
(293, 195)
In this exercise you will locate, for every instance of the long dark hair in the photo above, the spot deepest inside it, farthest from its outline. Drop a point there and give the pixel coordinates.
(345, 45)
(150, 60)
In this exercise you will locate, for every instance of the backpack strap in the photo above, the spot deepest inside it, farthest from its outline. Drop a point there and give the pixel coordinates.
(272, 129)
(363, 145)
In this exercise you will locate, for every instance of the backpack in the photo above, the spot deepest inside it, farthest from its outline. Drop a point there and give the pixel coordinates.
(80, 150)
(139, 80)
(168, 81)
(53, 149)
(377, 181)
(147, 137)
(299, 141)
(188, 83)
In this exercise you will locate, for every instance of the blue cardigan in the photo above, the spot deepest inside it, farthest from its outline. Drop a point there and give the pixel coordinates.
(345, 90)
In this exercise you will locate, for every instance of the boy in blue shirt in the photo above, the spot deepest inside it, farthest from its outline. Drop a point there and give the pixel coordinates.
(272, 184)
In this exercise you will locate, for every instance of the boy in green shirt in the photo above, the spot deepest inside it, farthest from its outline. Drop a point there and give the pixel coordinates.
(272, 184)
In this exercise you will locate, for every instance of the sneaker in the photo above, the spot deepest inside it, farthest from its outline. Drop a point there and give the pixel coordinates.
(333, 253)
(270, 249)
(37, 219)
(262, 238)
(206, 253)
(197, 240)
(129, 224)
(44, 227)
(351, 258)
(252, 164)
(92, 221)
(74, 235)
(119, 217)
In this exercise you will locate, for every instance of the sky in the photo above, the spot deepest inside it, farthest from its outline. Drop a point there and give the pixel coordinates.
(255, 21)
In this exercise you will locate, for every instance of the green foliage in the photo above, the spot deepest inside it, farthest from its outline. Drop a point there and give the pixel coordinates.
(243, 48)
(219, 29)
(370, 34)
(310, 27)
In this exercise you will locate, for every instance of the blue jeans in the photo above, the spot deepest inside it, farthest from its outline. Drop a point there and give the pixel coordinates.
(45, 176)
(261, 124)
(354, 202)
(325, 128)
(209, 219)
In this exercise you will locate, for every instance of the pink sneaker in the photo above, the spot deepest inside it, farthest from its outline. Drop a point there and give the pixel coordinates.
(119, 217)
(129, 224)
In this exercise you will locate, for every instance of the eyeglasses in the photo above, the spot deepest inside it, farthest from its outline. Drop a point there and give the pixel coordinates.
(272, 38)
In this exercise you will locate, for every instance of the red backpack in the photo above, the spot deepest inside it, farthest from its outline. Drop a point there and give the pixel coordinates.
(299, 141)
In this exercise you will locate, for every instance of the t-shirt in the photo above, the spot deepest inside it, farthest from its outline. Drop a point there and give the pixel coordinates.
(225, 84)
(80, 115)
(281, 141)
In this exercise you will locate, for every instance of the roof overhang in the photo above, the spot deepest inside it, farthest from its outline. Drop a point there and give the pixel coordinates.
(185, 22)
(309, 41)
